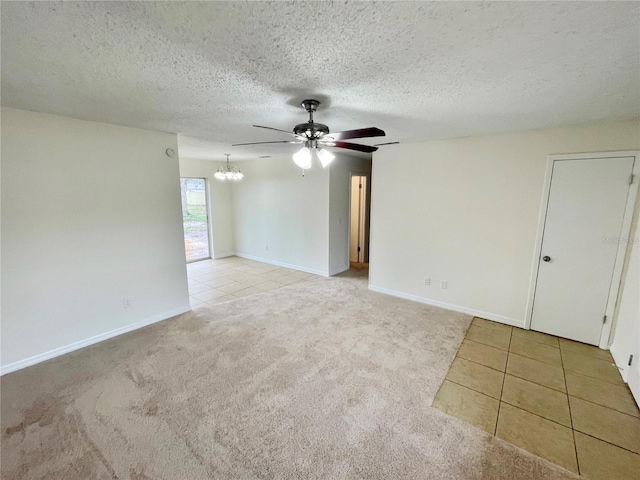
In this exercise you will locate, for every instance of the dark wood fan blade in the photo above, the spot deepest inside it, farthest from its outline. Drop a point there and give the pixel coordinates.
(388, 143)
(260, 143)
(276, 129)
(353, 146)
(360, 133)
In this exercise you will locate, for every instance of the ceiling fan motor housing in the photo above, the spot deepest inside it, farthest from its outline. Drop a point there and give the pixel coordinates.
(310, 130)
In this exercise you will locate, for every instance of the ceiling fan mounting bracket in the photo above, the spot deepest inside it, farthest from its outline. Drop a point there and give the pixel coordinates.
(310, 105)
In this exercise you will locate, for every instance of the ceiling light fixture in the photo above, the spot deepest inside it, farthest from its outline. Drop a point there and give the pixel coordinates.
(314, 136)
(325, 156)
(304, 156)
(228, 172)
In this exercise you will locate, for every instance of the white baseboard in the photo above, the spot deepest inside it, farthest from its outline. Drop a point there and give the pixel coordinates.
(282, 264)
(223, 254)
(56, 352)
(338, 270)
(448, 306)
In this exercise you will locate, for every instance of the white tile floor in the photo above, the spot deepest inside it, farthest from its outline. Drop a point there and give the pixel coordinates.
(224, 279)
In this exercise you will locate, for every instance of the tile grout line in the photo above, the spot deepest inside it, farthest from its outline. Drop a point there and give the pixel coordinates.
(530, 413)
(208, 268)
(560, 424)
(596, 378)
(478, 363)
(504, 376)
(537, 360)
(609, 443)
(485, 344)
(592, 357)
(512, 327)
(480, 343)
(528, 380)
(536, 414)
(479, 325)
(468, 388)
(573, 431)
(536, 383)
(602, 406)
(529, 341)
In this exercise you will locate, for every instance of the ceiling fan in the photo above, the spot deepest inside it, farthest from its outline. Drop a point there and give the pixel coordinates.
(314, 136)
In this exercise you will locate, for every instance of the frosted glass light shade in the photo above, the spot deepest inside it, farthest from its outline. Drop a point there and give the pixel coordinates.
(302, 158)
(326, 157)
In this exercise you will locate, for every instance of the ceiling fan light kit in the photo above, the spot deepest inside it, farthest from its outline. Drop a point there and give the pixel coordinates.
(228, 172)
(302, 158)
(314, 136)
(325, 157)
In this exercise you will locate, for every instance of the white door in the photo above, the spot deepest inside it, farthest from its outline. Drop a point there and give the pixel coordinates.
(357, 238)
(585, 210)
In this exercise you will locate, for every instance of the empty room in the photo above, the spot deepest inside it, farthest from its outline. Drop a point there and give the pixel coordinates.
(320, 240)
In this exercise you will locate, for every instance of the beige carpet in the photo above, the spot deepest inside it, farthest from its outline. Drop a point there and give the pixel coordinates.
(319, 380)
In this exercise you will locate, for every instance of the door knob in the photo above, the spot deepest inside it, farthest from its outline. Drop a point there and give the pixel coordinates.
(546, 258)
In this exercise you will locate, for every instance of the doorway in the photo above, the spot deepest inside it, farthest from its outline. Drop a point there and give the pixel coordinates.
(585, 214)
(359, 222)
(195, 218)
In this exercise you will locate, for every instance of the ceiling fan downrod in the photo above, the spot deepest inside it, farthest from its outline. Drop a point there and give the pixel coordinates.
(310, 130)
(310, 106)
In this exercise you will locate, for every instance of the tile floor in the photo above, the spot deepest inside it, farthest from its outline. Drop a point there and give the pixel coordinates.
(561, 400)
(224, 279)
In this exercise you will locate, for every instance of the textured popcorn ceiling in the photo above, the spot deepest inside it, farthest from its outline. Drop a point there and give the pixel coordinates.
(418, 70)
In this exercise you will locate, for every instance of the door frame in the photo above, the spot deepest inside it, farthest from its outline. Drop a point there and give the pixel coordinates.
(359, 173)
(207, 209)
(207, 196)
(606, 334)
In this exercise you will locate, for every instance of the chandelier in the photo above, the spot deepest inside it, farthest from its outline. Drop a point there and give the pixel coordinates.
(228, 172)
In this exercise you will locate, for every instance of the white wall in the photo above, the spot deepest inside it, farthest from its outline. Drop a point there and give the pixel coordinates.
(626, 340)
(339, 208)
(466, 211)
(282, 217)
(220, 208)
(90, 215)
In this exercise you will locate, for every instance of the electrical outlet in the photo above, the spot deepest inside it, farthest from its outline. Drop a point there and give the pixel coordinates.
(427, 281)
(444, 284)
(126, 303)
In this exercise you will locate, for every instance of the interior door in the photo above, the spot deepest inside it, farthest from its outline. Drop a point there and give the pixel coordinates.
(357, 237)
(585, 210)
